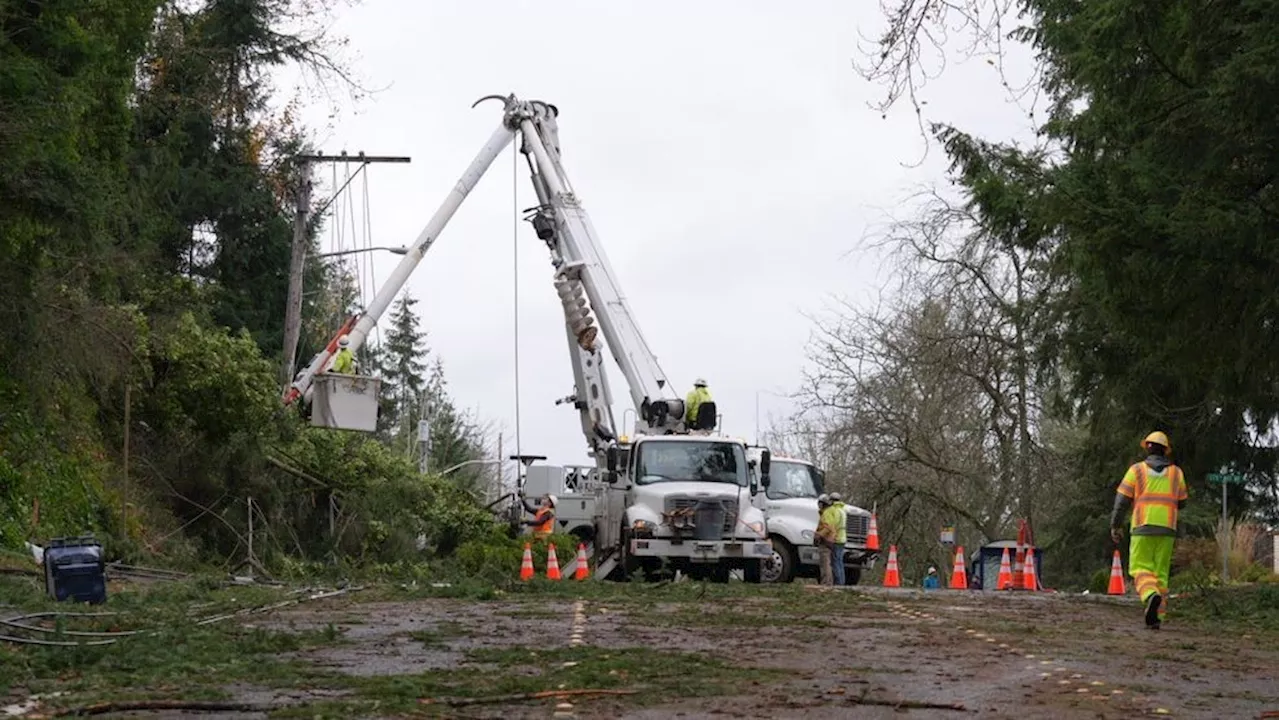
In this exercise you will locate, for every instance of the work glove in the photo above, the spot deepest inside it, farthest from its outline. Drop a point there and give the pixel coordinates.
(1117, 535)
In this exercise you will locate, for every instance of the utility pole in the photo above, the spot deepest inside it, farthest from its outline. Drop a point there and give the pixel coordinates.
(424, 437)
(298, 254)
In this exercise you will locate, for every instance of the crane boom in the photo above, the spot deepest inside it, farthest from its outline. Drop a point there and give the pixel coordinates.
(364, 323)
(581, 266)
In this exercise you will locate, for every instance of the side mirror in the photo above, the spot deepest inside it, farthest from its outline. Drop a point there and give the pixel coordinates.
(765, 458)
(611, 459)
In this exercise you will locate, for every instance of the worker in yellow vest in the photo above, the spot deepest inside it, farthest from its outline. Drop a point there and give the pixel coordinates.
(344, 362)
(698, 395)
(1158, 491)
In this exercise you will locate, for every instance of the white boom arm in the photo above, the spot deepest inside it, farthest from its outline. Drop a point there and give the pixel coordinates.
(365, 322)
(581, 265)
(580, 262)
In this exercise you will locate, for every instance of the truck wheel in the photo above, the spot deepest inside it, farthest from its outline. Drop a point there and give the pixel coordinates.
(781, 567)
(752, 572)
(720, 573)
(852, 575)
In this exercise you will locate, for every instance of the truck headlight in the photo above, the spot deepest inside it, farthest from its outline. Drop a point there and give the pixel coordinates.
(756, 527)
(806, 535)
(642, 527)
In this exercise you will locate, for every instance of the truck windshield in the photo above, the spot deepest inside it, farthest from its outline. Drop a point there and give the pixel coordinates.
(699, 461)
(793, 480)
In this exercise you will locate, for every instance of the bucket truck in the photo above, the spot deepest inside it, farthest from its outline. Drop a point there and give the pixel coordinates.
(670, 495)
(790, 504)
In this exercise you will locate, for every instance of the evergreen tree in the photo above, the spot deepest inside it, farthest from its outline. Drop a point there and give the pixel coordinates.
(404, 365)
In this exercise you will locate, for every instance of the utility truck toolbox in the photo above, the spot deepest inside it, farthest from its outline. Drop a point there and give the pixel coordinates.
(74, 569)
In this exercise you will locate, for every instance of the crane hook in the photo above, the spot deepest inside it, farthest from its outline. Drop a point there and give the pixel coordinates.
(506, 99)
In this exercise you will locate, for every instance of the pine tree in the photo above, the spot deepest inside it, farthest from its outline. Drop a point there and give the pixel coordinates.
(404, 365)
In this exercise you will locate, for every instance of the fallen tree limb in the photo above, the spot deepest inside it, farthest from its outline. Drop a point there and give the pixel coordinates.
(127, 705)
(908, 704)
(520, 697)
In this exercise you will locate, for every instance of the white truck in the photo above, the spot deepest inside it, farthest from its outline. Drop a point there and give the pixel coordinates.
(790, 503)
(674, 495)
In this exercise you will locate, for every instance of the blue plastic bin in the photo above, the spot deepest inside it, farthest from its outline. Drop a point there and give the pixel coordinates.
(74, 570)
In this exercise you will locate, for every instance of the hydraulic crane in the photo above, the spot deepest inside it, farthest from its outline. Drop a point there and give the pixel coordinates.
(675, 503)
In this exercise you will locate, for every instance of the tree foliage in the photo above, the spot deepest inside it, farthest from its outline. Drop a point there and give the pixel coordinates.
(1149, 209)
(145, 235)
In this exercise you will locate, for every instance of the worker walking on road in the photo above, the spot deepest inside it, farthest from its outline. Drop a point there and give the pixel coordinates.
(841, 519)
(1158, 491)
(344, 362)
(698, 395)
(544, 516)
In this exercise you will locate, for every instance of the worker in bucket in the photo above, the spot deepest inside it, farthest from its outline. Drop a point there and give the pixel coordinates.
(824, 537)
(544, 516)
(1157, 490)
(698, 395)
(344, 362)
(841, 519)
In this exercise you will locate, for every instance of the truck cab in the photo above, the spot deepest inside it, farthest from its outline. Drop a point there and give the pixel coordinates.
(688, 504)
(790, 503)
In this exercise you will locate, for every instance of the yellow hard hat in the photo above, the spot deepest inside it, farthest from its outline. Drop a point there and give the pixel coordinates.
(1158, 438)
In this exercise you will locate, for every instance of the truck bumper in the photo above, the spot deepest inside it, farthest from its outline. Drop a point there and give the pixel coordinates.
(860, 557)
(809, 554)
(708, 551)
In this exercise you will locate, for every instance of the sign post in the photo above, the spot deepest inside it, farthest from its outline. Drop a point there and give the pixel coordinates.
(1225, 479)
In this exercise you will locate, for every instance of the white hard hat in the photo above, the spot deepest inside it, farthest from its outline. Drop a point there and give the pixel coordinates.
(553, 499)
(824, 498)
(344, 341)
(835, 497)
(932, 570)
(700, 382)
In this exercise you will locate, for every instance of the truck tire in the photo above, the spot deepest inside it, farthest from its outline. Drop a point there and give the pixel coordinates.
(781, 568)
(852, 575)
(752, 572)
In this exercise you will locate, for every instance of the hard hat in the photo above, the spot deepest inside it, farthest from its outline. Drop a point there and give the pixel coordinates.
(835, 497)
(553, 500)
(700, 382)
(933, 570)
(824, 499)
(344, 341)
(1158, 438)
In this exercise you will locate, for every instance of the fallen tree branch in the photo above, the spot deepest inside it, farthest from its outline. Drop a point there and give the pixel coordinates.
(520, 697)
(907, 704)
(103, 708)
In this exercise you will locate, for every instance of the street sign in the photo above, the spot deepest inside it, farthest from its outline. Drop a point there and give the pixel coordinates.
(948, 535)
(1228, 478)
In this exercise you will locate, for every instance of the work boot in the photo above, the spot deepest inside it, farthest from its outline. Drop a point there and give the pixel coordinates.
(1153, 611)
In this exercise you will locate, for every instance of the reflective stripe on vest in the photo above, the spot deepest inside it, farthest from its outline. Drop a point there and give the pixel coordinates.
(1156, 499)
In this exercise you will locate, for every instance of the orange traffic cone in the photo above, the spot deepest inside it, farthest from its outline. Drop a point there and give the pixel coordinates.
(1029, 579)
(959, 581)
(873, 536)
(580, 572)
(1116, 587)
(553, 564)
(526, 564)
(1004, 581)
(891, 578)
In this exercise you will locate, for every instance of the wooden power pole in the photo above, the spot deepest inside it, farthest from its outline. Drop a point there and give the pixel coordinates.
(298, 256)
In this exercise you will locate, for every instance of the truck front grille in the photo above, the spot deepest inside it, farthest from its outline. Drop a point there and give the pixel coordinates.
(856, 529)
(676, 507)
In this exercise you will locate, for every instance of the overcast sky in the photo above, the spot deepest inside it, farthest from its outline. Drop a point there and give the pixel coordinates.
(724, 151)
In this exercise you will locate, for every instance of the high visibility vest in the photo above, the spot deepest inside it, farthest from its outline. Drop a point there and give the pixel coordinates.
(1155, 495)
(841, 518)
(545, 519)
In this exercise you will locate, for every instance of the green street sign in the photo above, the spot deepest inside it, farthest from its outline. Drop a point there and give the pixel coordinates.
(1228, 478)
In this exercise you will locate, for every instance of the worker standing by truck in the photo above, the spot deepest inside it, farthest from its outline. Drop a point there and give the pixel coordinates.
(841, 520)
(1158, 491)
(825, 537)
(544, 517)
